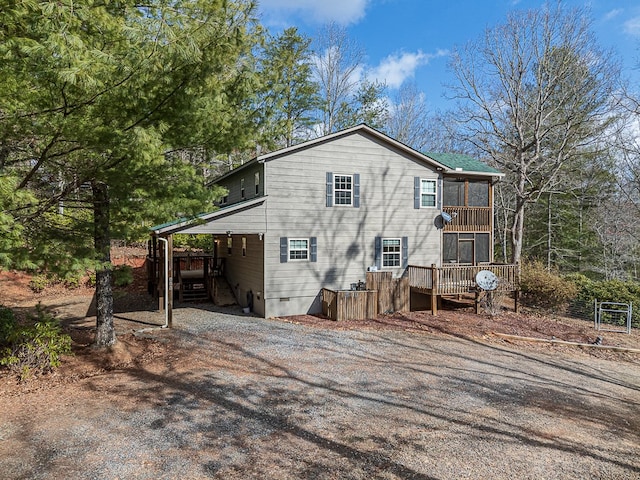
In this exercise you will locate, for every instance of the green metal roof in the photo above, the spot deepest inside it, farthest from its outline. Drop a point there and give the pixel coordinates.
(168, 224)
(465, 162)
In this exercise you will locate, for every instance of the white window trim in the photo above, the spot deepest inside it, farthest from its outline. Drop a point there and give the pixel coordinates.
(308, 249)
(382, 253)
(434, 194)
(335, 190)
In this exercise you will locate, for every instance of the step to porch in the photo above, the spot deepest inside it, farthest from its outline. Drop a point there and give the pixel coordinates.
(194, 292)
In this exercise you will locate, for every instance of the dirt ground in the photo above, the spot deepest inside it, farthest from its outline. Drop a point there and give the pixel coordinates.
(94, 378)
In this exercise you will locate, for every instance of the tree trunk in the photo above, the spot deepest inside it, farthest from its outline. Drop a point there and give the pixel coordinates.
(105, 331)
(517, 232)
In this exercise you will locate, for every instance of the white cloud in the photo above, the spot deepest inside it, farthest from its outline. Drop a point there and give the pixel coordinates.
(632, 26)
(343, 12)
(610, 15)
(395, 69)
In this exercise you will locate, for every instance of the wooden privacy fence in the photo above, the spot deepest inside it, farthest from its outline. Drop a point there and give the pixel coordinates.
(393, 293)
(349, 304)
(383, 294)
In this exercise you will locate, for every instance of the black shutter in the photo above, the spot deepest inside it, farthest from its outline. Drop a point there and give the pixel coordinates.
(356, 190)
(329, 189)
(378, 252)
(284, 249)
(405, 252)
(416, 192)
(313, 249)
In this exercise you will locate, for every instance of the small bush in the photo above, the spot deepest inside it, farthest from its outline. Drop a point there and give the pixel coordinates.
(39, 282)
(122, 275)
(541, 288)
(33, 349)
(7, 325)
(91, 279)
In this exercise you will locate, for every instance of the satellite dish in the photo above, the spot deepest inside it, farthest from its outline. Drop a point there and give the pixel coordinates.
(446, 217)
(486, 280)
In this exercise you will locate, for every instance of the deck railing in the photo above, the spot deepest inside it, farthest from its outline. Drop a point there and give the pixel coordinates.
(468, 219)
(459, 279)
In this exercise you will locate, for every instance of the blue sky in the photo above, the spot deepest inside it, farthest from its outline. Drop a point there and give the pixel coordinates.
(411, 39)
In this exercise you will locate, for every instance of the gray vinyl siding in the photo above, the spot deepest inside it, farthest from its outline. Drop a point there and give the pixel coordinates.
(233, 181)
(345, 234)
(246, 273)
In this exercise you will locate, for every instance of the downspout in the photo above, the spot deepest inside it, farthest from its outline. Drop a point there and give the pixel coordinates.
(166, 281)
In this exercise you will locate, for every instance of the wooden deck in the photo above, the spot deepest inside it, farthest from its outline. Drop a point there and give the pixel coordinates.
(460, 279)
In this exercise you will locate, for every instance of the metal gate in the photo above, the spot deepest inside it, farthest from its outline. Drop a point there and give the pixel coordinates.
(611, 316)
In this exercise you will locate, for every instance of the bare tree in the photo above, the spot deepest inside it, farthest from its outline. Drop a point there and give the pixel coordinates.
(337, 66)
(533, 94)
(408, 120)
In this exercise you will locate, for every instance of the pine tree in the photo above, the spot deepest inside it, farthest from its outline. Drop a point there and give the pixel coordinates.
(94, 97)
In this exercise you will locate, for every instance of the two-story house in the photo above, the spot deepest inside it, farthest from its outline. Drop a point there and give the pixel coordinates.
(320, 214)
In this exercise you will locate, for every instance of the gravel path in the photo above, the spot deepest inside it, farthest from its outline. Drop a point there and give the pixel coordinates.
(240, 397)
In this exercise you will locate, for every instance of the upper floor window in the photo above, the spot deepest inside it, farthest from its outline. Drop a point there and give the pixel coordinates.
(427, 193)
(256, 182)
(242, 195)
(342, 189)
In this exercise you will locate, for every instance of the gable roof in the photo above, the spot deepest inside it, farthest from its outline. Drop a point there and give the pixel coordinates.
(466, 163)
(445, 162)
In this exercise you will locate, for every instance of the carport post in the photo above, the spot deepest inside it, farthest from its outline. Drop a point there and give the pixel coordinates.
(169, 255)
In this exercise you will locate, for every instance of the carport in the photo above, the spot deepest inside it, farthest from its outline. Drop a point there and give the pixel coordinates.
(236, 256)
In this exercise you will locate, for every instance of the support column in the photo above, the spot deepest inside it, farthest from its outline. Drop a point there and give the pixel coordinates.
(169, 254)
(434, 289)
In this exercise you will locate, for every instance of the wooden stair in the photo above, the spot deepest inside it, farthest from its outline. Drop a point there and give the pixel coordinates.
(194, 291)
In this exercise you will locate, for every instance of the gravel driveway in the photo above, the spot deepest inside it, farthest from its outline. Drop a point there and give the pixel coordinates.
(241, 397)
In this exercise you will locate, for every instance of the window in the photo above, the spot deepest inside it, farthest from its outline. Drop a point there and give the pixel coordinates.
(256, 181)
(427, 193)
(242, 188)
(342, 189)
(298, 249)
(229, 245)
(391, 252)
(244, 246)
